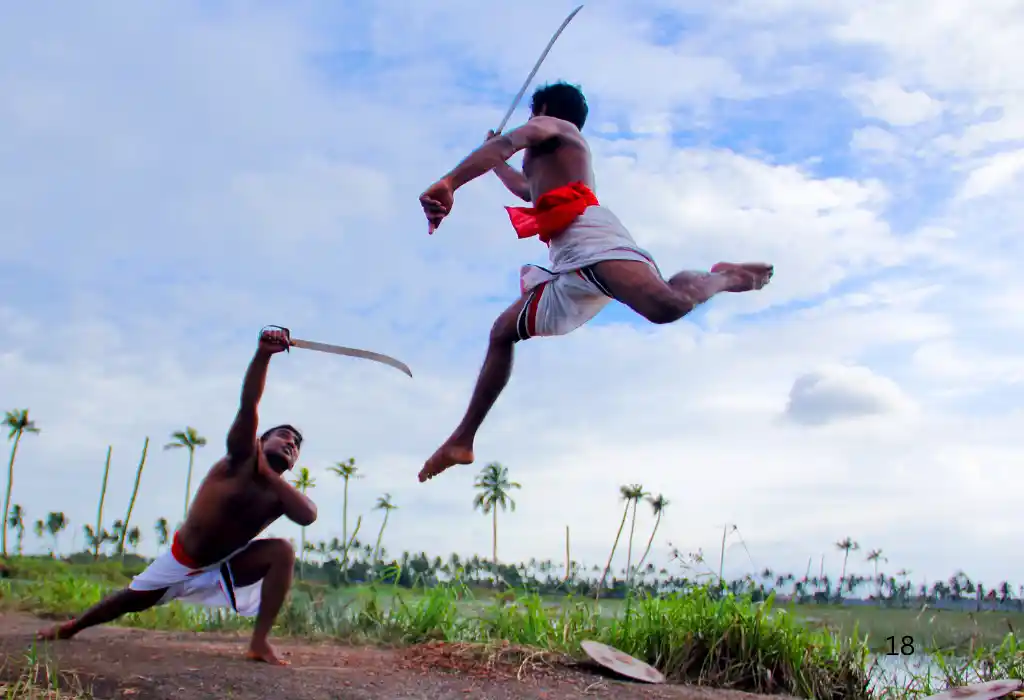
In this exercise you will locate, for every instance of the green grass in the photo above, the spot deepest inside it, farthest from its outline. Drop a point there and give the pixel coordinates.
(35, 679)
(696, 637)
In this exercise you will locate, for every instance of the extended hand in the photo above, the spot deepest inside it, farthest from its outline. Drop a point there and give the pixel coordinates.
(272, 342)
(437, 202)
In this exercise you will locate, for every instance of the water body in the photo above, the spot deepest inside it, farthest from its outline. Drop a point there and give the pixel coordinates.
(901, 671)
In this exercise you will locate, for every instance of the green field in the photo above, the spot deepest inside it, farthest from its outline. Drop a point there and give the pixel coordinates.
(698, 636)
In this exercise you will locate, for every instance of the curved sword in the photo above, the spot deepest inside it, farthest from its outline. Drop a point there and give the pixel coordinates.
(342, 350)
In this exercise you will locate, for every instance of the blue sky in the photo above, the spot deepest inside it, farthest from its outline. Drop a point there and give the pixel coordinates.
(175, 176)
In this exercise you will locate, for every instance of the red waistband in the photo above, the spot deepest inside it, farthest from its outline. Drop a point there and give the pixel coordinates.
(180, 556)
(553, 211)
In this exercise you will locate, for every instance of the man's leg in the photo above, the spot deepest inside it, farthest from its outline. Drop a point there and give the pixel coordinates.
(494, 375)
(107, 610)
(272, 561)
(641, 288)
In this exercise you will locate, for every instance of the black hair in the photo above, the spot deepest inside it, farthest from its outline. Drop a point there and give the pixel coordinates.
(562, 101)
(284, 426)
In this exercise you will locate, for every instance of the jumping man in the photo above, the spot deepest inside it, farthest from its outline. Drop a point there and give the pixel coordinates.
(214, 558)
(593, 257)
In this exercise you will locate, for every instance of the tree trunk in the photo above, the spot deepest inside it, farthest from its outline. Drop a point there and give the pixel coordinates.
(7, 498)
(188, 481)
(494, 540)
(131, 503)
(568, 561)
(615, 544)
(344, 531)
(649, 542)
(99, 512)
(629, 549)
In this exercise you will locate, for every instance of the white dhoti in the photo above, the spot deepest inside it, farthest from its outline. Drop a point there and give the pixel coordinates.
(212, 585)
(563, 298)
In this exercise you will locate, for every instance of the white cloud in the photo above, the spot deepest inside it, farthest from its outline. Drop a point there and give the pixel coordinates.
(838, 393)
(253, 166)
(886, 100)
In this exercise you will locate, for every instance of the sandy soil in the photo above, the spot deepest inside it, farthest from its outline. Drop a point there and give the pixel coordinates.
(119, 663)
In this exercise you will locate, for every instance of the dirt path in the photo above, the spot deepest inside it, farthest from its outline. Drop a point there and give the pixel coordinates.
(118, 662)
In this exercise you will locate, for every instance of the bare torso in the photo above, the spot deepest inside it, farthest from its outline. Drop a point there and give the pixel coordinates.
(559, 161)
(232, 506)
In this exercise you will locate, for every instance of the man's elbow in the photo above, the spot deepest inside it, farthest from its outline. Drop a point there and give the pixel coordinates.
(306, 518)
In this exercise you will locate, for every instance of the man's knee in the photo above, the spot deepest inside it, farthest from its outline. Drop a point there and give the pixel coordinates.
(505, 330)
(666, 308)
(280, 551)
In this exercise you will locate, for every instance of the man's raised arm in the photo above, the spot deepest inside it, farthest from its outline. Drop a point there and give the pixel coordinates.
(241, 441)
(499, 149)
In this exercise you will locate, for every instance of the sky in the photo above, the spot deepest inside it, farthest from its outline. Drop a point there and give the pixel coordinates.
(176, 175)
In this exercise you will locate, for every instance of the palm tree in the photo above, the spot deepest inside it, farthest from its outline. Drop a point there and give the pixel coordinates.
(346, 470)
(658, 505)
(190, 440)
(847, 545)
(17, 423)
(302, 482)
(16, 521)
(636, 492)
(134, 537)
(383, 503)
(135, 492)
(162, 532)
(55, 523)
(493, 485)
(626, 494)
(874, 556)
(39, 527)
(99, 534)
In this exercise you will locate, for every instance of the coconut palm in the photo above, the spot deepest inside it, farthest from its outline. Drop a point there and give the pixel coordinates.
(134, 537)
(874, 556)
(162, 530)
(346, 470)
(17, 424)
(636, 492)
(16, 521)
(626, 494)
(55, 524)
(658, 505)
(303, 481)
(383, 503)
(847, 545)
(493, 485)
(39, 527)
(190, 440)
(99, 535)
(135, 492)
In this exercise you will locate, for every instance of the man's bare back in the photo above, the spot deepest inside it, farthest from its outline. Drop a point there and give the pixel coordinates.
(562, 160)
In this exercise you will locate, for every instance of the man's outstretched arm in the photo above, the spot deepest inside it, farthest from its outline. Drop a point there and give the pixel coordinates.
(241, 441)
(498, 150)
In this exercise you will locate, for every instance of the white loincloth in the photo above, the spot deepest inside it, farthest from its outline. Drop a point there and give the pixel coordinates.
(569, 294)
(213, 585)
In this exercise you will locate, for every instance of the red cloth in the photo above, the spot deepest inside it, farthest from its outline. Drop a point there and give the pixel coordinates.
(179, 554)
(553, 212)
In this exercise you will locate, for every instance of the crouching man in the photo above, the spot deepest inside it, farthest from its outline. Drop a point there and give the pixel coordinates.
(214, 558)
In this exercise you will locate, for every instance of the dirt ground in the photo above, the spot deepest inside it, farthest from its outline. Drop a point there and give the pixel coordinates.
(126, 663)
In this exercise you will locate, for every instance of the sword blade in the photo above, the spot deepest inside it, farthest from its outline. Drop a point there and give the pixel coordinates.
(351, 352)
(536, 67)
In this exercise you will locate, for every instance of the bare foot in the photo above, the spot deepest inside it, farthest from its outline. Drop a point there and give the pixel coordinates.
(264, 653)
(749, 276)
(64, 631)
(448, 455)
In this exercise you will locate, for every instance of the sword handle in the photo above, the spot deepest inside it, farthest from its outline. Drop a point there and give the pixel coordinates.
(287, 334)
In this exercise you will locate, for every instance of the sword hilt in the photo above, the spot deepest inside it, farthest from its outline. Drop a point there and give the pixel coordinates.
(287, 334)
